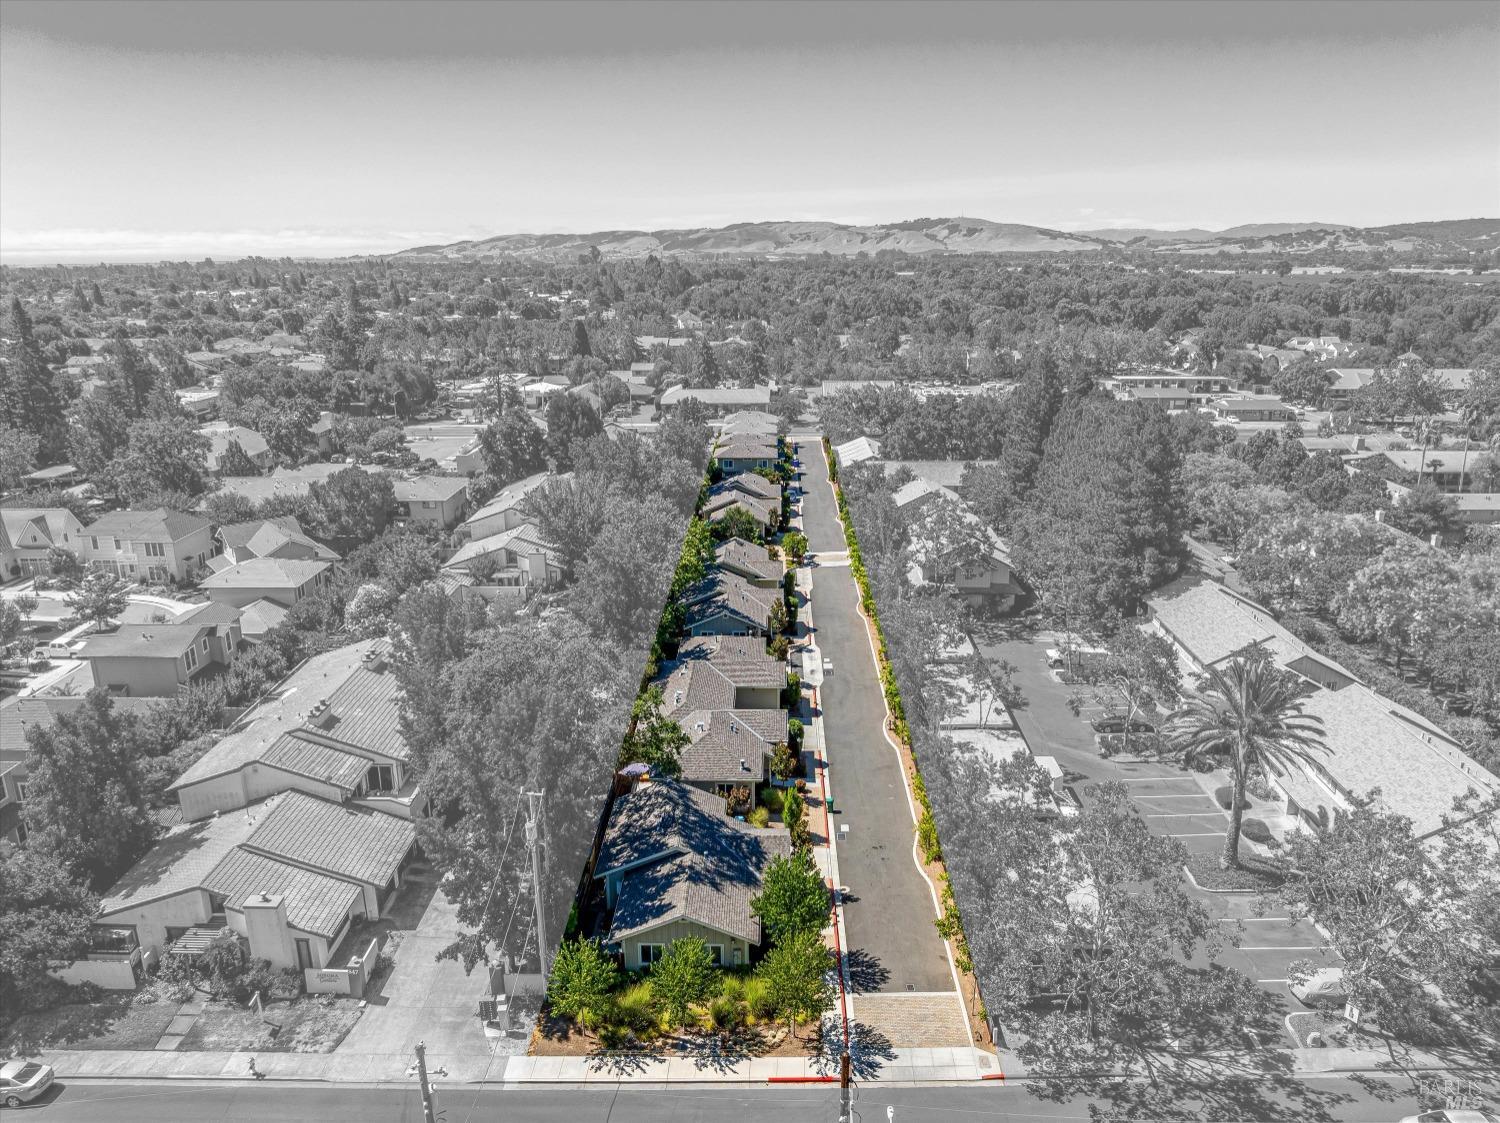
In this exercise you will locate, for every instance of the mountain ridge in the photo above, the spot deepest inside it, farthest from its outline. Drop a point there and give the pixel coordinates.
(961, 235)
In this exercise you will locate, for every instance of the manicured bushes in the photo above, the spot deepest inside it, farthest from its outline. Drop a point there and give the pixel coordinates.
(1256, 831)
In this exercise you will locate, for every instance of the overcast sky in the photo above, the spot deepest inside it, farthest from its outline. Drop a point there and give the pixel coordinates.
(147, 130)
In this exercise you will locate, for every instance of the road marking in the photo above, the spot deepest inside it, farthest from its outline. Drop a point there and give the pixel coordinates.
(1273, 980)
(1252, 919)
(1200, 834)
(1286, 947)
(1157, 780)
(1180, 814)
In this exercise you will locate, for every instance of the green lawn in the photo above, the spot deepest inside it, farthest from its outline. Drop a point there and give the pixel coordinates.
(117, 1021)
(312, 1024)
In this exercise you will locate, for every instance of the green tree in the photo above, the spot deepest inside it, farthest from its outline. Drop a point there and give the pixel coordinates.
(1246, 715)
(581, 346)
(582, 978)
(34, 403)
(794, 817)
(87, 802)
(100, 597)
(794, 545)
(738, 523)
(569, 513)
(18, 451)
(795, 973)
(163, 458)
(234, 461)
(793, 900)
(45, 919)
(684, 977)
(654, 739)
(569, 419)
(513, 446)
(351, 507)
(1402, 600)
(1424, 511)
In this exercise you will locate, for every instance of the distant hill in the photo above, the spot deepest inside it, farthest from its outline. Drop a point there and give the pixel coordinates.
(964, 236)
(923, 235)
(1194, 234)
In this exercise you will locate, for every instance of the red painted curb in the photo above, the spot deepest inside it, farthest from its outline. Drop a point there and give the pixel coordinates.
(992, 1076)
(802, 1080)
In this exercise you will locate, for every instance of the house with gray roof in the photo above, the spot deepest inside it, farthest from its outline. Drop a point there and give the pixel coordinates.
(438, 501)
(765, 512)
(29, 534)
(725, 603)
(156, 545)
(280, 537)
(160, 660)
(282, 580)
(737, 453)
(751, 561)
(729, 748)
(674, 865)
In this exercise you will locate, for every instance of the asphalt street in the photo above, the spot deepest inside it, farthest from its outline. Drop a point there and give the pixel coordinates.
(1334, 1100)
(888, 914)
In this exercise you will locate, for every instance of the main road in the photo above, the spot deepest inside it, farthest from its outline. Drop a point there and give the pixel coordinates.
(1334, 1100)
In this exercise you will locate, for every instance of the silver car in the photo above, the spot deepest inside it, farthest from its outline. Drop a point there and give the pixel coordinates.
(23, 1081)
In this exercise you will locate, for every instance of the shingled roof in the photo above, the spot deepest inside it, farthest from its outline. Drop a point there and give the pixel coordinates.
(723, 592)
(730, 746)
(681, 858)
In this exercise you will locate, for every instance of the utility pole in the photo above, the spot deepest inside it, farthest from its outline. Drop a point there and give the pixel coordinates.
(429, 1113)
(534, 840)
(846, 1114)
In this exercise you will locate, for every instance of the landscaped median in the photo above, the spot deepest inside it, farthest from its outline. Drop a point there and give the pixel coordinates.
(949, 923)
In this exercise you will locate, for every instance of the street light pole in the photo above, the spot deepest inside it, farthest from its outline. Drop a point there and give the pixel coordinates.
(534, 840)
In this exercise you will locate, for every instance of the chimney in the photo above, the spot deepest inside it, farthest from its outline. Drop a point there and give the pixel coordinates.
(744, 765)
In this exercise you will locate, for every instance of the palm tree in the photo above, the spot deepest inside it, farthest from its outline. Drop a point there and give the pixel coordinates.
(1249, 711)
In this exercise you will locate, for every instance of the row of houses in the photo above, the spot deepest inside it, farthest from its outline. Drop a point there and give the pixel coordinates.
(673, 862)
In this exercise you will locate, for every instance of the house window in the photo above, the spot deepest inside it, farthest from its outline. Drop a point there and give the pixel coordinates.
(380, 778)
(716, 954)
(651, 953)
(23, 792)
(739, 957)
(428, 504)
(155, 550)
(93, 543)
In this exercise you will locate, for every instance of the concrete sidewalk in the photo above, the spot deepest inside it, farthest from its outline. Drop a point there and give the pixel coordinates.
(905, 1066)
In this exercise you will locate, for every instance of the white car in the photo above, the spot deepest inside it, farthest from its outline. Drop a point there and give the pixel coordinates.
(1324, 987)
(23, 1081)
(1453, 1115)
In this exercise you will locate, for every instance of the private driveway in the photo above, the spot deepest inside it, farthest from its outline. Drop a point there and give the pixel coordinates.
(1259, 943)
(888, 914)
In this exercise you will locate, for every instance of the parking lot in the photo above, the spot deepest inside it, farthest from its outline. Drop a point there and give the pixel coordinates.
(1259, 941)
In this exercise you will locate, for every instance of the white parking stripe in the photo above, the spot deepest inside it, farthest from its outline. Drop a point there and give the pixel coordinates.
(1252, 919)
(1181, 814)
(1199, 834)
(1286, 947)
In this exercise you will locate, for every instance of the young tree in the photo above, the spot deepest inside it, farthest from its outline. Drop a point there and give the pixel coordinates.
(87, 799)
(793, 900)
(13, 614)
(582, 978)
(654, 739)
(794, 545)
(100, 597)
(682, 978)
(794, 818)
(1247, 715)
(45, 919)
(795, 973)
(1397, 918)
(1139, 674)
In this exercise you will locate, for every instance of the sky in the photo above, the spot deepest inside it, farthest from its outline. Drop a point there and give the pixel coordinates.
(140, 131)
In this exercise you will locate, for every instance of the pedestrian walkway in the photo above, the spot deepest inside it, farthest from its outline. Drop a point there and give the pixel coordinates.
(902, 1066)
(183, 1021)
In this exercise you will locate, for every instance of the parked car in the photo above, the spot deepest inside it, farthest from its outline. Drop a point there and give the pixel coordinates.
(1453, 1115)
(1324, 987)
(44, 652)
(1120, 725)
(23, 1081)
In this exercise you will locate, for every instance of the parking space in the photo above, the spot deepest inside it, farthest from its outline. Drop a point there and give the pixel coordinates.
(1260, 943)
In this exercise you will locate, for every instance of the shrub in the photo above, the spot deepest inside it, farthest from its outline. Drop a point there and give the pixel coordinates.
(759, 817)
(791, 694)
(737, 802)
(927, 836)
(785, 762)
(1260, 787)
(771, 798)
(794, 734)
(758, 1000)
(1256, 830)
(724, 1013)
(633, 1009)
(581, 980)
(1224, 797)
(778, 647)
